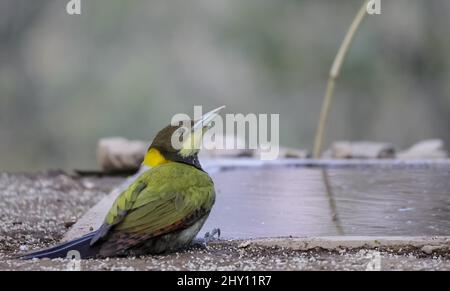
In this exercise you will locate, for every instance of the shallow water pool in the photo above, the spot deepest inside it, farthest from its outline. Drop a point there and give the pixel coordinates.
(327, 201)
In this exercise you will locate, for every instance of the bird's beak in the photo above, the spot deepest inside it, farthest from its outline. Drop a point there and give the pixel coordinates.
(192, 143)
(205, 122)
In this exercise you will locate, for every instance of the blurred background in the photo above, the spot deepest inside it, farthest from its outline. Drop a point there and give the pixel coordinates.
(123, 68)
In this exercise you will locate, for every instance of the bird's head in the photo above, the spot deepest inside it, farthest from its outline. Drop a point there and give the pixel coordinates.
(180, 143)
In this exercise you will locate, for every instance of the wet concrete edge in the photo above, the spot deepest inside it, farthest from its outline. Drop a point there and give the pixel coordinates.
(425, 244)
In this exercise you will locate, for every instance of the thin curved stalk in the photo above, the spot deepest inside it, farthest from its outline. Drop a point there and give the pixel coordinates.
(333, 76)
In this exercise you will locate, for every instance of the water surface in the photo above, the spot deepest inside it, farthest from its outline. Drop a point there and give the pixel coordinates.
(302, 201)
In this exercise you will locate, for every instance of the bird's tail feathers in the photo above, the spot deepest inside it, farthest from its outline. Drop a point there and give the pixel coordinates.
(78, 248)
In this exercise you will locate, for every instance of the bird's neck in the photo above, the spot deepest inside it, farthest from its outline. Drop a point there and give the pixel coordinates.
(154, 158)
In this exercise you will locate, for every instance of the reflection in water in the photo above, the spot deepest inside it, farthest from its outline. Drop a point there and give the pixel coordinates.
(284, 201)
(332, 201)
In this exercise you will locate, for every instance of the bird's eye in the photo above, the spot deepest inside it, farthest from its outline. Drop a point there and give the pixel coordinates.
(181, 132)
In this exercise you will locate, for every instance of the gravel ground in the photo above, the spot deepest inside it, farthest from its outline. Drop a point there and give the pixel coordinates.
(36, 210)
(228, 256)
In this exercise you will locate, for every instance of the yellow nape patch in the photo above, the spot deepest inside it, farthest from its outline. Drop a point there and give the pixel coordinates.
(154, 158)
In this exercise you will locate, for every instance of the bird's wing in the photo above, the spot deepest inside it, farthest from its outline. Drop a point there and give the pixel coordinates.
(119, 210)
(165, 199)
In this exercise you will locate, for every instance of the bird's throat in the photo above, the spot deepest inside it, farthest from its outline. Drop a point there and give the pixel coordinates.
(154, 158)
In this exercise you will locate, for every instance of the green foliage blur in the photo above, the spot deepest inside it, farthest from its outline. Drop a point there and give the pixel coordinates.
(123, 68)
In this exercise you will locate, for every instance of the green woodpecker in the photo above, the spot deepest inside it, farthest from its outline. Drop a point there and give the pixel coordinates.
(162, 210)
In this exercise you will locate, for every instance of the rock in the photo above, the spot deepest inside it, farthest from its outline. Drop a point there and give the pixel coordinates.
(292, 153)
(361, 150)
(283, 153)
(327, 155)
(427, 149)
(23, 248)
(120, 154)
(212, 149)
(69, 223)
(244, 244)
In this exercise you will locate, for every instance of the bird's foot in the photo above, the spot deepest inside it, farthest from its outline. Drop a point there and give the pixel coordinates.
(209, 236)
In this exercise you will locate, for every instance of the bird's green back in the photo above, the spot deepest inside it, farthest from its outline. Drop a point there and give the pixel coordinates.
(163, 199)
